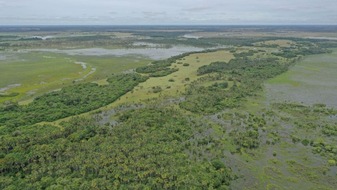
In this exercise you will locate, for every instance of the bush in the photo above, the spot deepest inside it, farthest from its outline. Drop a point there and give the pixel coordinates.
(332, 162)
(305, 142)
(156, 89)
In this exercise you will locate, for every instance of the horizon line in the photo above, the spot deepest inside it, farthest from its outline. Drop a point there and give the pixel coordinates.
(14, 25)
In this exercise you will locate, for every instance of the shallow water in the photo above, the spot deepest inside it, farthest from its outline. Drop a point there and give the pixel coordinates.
(83, 65)
(42, 37)
(312, 81)
(305, 94)
(93, 70)
(191, 36)
(323, 38)
(147, 44)
(2, 57)
(4, 89)
(153, 53)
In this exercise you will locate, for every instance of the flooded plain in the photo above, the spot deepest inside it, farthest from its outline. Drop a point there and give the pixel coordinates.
(310, 81)
(2, 57)
(153, 53)
(4, 89)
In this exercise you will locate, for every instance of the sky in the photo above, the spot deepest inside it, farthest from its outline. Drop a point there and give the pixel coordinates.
(167, 12)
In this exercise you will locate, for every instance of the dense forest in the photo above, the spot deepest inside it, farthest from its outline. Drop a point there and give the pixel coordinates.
(149, 149)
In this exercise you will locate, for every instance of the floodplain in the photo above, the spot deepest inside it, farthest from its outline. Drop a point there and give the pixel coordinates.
(146, 107)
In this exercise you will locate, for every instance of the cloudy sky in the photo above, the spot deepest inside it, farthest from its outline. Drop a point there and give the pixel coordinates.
(174, 12)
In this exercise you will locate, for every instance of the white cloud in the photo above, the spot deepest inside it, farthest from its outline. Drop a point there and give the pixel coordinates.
(168, 12)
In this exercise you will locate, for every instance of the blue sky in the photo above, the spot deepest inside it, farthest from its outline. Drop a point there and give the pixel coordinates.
(129, 12)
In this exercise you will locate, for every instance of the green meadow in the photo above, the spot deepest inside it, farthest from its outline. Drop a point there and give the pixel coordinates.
(35, 73)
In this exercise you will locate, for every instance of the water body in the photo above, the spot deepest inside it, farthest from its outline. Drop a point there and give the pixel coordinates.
(93, 70)
(83, 65)
(191, 36)
(4, 89)
(42, 37)
(147, 44)
(153, 53)
(2, 57)
(323, 38)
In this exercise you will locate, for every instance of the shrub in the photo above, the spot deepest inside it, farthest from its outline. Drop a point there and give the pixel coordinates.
(156, 89)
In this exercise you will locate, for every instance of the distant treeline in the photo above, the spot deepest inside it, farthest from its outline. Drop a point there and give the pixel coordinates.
(161, 67)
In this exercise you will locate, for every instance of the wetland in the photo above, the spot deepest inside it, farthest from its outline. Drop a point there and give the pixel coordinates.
(181, 107)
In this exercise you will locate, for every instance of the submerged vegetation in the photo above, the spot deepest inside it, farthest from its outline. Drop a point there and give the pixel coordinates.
(198, 120)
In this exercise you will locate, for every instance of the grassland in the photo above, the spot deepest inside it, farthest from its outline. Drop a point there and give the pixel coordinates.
(175, 83)
(281, 43)
(38, 72)
(107, 65)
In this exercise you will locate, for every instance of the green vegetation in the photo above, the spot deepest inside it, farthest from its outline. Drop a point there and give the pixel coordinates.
(13, 94)
(248, 73)
(107, 65)
(33, 72)
(36, 73)
(199, 120)
(68, 101)
(66, 40)
(247, 134)
(312, 128)
(161, 68)
(295, 52)
(147, 150)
